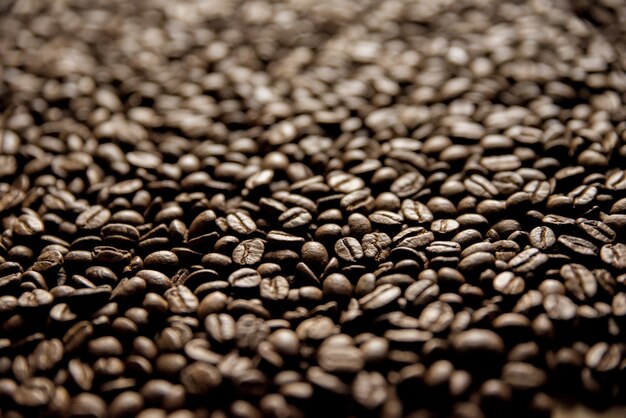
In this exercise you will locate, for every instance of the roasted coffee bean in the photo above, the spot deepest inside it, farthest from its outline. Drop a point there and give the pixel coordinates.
(220, 327)
(507, 283)
(163, 261)
(181, 300)
(596, 230)
(614, 255)
(436, 317)
(542, 237)
(579, 281)
(559, 307)
(528, 260)
(603, 357)
(241, 223)
(340, 359)
(105, 347)
(477, 262)
(380, 297)
(376, 245)
(202, 224)
(249, 252)
(274, 289)
(416, 212)
(415, 237)
(155, 280)
(294, 218)
(244, 278)
(578, 246)
(200, 378)
(349, 249)
(92, 218)
(523, 376)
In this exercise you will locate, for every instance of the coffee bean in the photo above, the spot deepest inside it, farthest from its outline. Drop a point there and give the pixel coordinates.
(47, 355)
(542, 237)
(416, 212)
(369, 389)
(603, 357)
(241, 223)
(249, 252)
(338, 359)
(349, 249)
(92, 218)
(81, 374)
(415, 237)
(200, 378)
(408, 184)
(507, 283)
(614, 255)
(274, 289)
(523, 376)
(155, 280)
(422, 292)
(579, 281)
(380, 298)
(559, 307)
(578, 246)
(294, 218)
(163, 261)
(596, 230)
(528, 260)
(244, 278)
(105, 347)
(220, 327)
(477, 261)
(181, 300)
(376, 245)
(344, 182)
(436, 317)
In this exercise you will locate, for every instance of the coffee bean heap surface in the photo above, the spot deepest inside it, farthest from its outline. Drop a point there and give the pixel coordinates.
(311, 208)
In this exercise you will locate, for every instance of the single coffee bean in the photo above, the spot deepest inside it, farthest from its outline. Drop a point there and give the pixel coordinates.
(408, 184)
(249, 252)
(415, 237)
(577, 245)
(344, 182)
(542, 237)
(241, 223)
(105, 347)
(523, 376)
(220, 327)
(244, 278)
(416, 211)
(380, 298)
(349, 249)
(436, 317)
(507, 283)
(603, 357)
(559, 307)
(376, 245)
(528, 260)
(596, 230)
(338, 359)
(202, 224)
(274, 289)
(200, 378)
(92, 218)
(369, 389)
(295, 217)
(477, 262)
(614, 255)
(283, 238)
(181, 300)
(579, 281)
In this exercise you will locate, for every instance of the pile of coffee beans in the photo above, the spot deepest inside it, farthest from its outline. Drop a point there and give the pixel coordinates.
(311, 208)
